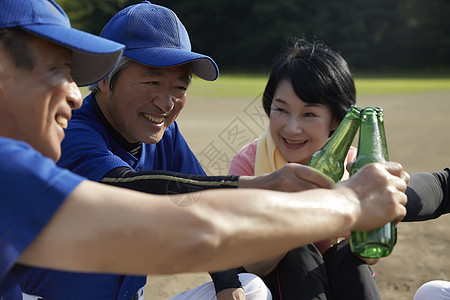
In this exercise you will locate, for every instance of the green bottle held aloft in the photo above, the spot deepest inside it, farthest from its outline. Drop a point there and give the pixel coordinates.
(372, 147)
(385, 153)
(330, 159)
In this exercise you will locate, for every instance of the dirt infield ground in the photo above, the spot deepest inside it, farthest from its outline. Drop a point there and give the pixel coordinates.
(417, 131)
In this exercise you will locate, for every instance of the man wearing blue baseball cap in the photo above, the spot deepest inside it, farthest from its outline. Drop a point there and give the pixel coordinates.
(53, 218)
(127, 124)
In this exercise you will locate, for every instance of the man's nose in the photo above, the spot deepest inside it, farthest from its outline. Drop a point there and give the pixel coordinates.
(164, 101)
(74, 96)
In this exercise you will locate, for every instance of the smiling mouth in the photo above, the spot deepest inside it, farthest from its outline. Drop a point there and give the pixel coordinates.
(291, 143)
(62, 121)
(152, 119)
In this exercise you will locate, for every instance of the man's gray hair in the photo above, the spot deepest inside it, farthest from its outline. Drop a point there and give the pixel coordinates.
(113, 75)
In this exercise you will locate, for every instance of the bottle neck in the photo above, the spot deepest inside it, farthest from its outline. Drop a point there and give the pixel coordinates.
(370, 140)
(343, 136)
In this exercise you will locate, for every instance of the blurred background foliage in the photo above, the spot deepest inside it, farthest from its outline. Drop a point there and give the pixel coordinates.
(400, 36)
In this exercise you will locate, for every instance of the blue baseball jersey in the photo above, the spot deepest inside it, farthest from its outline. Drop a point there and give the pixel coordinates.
(32, 188)
(90, 150)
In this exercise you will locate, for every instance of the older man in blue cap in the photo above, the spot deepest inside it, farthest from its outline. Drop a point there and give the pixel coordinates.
(127, 125)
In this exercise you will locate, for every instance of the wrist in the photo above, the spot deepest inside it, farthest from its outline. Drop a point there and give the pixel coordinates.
(248, 182)
(351, 205)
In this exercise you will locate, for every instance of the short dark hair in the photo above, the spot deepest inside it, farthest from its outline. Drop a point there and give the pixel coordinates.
(16, 43)
(317, 74)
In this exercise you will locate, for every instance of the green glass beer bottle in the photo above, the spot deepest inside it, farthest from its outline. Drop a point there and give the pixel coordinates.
(380, 116)
(371, 148)
(330, 159)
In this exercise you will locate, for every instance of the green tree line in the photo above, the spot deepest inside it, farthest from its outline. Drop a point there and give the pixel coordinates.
(247, 35)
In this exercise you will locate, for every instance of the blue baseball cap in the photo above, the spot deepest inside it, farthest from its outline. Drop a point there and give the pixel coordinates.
(154, 36)
(93, 57)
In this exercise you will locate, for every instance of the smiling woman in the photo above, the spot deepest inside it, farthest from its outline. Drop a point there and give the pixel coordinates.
(309, 91)
(296, 127)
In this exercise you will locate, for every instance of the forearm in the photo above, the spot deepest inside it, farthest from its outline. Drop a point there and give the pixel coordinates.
(291, 178)
(428, 195)
(97, 224)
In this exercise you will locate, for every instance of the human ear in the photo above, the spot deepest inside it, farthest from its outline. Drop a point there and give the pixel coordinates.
(104, 86)
(334, 124)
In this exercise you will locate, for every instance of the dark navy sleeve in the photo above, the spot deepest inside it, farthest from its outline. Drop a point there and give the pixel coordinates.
(428, 196)
(32, 188)
(225, 280)
(166, 182)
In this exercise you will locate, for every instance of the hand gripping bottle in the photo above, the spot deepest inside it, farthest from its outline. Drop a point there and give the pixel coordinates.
(330, 159)
(372, 148)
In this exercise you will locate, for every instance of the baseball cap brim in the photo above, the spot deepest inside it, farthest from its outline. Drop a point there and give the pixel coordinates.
(202, 66)
(93, 57)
